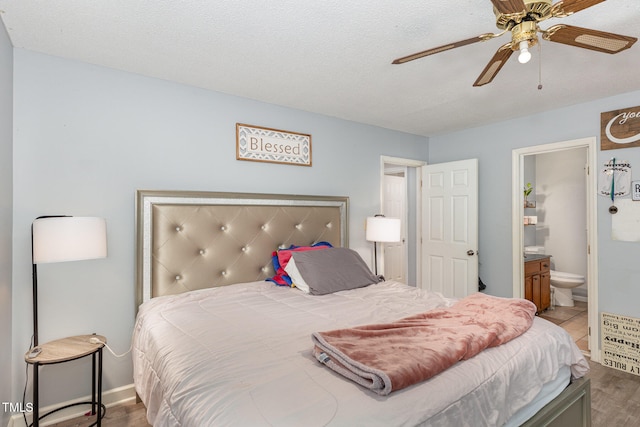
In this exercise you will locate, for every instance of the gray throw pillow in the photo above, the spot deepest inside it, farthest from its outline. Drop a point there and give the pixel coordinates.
(331, 270)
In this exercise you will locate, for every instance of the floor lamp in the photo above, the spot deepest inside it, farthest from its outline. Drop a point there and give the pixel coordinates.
(60, 239)
(380, 229)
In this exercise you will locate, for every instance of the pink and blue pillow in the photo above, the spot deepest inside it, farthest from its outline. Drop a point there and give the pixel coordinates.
(281, 257)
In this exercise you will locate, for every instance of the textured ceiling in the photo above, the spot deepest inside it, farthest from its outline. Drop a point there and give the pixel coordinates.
(333, 57)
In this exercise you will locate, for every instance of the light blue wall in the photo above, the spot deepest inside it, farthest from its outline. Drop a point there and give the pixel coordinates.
(87, 137)
(618, 267)
(6, 213)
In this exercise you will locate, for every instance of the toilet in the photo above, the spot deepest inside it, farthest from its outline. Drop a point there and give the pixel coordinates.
(561, 284)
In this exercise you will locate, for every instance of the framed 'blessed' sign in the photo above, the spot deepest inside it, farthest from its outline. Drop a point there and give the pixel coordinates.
(620, 128)
(261, 144)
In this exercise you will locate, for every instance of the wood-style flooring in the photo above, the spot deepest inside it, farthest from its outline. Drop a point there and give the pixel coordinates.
(124, 415)
(615, 395)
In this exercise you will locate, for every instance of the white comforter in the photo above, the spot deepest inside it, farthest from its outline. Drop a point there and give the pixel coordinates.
(241, 355)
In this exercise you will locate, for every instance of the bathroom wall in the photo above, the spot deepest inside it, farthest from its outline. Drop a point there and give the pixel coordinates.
(529, 175)
(561, 207)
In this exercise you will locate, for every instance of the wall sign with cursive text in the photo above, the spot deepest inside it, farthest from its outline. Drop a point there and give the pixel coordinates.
(260, 144)
(620, 129)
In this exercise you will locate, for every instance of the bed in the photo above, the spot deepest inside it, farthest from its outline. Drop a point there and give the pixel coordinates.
(215, 343)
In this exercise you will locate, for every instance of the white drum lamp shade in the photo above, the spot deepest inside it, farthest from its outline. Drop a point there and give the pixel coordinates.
(69, 238)
(383, 229)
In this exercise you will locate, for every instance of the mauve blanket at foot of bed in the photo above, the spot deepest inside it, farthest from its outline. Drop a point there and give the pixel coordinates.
(391, 356)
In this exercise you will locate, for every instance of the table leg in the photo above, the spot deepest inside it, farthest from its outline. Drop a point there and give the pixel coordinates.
(99, 387)
(36, 402)
(93, 384)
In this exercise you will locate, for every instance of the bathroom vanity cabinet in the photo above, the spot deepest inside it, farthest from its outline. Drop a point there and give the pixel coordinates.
(537, 281)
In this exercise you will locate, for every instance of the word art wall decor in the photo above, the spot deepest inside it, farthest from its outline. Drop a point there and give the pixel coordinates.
(620, 128)
(272, 145)
(621, 342)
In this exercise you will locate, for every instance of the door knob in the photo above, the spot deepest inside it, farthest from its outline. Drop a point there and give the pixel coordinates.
(470, 252)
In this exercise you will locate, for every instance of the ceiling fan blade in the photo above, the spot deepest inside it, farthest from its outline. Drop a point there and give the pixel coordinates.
(494, 66)
(508, 6)
(573, 6)
(600, 41)
(441, 49)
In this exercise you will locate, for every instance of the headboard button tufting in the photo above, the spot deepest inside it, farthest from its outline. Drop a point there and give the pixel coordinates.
(189, 241)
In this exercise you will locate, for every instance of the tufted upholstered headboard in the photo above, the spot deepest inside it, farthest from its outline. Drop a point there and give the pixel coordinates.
(193, 240)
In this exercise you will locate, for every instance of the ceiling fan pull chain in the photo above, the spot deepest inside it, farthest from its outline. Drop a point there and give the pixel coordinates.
(539, 66)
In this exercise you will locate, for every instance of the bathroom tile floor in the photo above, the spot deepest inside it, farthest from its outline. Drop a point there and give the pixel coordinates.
(573, 320)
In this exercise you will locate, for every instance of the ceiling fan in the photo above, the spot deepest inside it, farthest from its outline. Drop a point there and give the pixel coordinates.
(521, 18)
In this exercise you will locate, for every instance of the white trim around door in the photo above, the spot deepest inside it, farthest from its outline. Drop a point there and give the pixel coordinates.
(517, 198)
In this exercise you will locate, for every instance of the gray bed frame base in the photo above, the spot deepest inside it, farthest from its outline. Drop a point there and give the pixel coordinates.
(572, 408)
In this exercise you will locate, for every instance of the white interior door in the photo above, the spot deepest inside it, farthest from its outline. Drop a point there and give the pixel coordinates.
(450, 228)
(395, 254)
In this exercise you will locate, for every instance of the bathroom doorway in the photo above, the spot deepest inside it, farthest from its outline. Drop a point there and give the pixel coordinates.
(560, 220)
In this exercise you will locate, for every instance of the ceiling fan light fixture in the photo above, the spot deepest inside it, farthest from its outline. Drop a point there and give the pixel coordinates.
(521, 19)
(525, 55)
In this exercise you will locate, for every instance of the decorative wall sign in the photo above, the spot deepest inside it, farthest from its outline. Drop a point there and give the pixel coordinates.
(620, 128)
(614, 179)
(621, 342)
(635, 191)
(260, 144)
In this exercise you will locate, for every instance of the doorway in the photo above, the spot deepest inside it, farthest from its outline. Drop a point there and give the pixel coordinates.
(396, 260)
(401, 175)
(540, 235)
(438, 209)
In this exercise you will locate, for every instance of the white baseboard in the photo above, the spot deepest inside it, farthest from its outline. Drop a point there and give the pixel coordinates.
(580, 298)
(110, 398)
